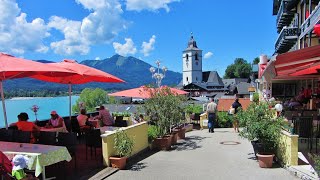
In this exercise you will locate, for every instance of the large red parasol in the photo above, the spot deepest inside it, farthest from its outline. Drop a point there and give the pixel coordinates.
(84, 74)
(143, 92)
(12, 67)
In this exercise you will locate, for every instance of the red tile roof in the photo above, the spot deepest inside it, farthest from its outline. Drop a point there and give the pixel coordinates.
(224, 104)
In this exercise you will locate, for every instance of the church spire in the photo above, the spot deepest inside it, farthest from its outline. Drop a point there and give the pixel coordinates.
(192, 43)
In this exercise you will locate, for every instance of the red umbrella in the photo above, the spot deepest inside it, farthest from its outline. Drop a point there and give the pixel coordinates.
(143, 92)
(311, 70)
(12, 67)
(84, 74)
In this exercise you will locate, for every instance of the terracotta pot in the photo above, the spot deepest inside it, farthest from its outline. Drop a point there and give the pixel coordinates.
(265, 160)
(163, 143)
(181, 133)
(118, 162)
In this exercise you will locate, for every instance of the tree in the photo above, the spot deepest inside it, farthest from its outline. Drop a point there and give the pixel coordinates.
(239, 69)
(91, 98)
(256, 60)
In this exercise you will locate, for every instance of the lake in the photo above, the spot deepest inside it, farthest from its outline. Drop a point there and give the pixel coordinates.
(46, 105)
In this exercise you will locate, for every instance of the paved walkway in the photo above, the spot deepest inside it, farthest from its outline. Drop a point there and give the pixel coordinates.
(201, 156)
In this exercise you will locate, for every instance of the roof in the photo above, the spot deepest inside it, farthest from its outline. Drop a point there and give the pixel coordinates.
(242, 88)
(212, 77)
(192, 44)
(224, 104)
(228, 82)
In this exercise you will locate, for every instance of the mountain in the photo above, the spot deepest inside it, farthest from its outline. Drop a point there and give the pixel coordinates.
(132, 70)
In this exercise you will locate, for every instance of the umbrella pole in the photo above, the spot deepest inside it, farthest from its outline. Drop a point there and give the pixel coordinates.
(3, 105)
(70, 102)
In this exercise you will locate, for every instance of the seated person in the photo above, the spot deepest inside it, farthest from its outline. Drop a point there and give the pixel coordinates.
(105, 116)
(82, 118)
(24, 125)
(293, 103)
(56, 121)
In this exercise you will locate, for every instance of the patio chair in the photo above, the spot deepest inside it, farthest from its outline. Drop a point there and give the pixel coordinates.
(6, 135)
(47, 138)
(93, 140)
(21, 136)
(69, 140)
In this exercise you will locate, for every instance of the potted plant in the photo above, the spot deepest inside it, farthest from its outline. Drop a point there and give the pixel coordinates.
(123, 146)
(262, 129)
(153, 133)
(165, 110)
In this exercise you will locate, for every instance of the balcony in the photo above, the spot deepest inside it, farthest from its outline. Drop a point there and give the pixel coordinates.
(312, 20)
(284, 16)
(287, 38)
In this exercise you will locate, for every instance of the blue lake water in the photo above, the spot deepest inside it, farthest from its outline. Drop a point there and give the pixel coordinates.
(46, 105)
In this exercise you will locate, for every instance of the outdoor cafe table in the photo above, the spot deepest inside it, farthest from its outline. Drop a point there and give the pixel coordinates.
(59, 129)
(39, 156)
(106, 129)
(95, 122)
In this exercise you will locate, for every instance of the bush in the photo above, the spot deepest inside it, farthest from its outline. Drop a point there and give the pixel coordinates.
(153, 133)
(123, 144)
(165, 109)
(259, 123)
(224, 119)
(255, 97)
(193, 108)
(91, 98)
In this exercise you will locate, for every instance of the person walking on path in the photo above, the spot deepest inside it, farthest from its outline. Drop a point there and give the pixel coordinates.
(211, 112)
(234, 107)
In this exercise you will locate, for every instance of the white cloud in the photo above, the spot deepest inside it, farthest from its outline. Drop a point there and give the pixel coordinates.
(16, 34)
(208, 55)
(97, 58)
(102, 25)
(151, 5)
(126, 48)
(147, 47)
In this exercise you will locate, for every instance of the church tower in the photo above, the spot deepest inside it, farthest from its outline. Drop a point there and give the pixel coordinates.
(192, 63)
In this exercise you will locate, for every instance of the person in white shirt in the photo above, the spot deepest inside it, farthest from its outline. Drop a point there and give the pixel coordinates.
(211, 112)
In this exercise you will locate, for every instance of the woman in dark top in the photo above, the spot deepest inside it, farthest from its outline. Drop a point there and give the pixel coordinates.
(235, 105)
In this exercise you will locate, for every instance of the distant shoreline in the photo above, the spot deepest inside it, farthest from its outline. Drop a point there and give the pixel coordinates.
(26, 98)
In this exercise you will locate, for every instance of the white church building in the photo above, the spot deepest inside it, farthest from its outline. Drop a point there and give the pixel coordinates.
(195, 81)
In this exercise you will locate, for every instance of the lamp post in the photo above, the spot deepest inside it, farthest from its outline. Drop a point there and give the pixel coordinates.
(156, 73)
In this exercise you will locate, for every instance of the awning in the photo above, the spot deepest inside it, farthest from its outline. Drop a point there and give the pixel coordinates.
(287, 64)
(290, 62)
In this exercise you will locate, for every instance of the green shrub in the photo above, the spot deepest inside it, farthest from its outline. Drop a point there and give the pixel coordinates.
(123, 144)
(153, 133)
(224, 119)
(255, 97)
(193, 108)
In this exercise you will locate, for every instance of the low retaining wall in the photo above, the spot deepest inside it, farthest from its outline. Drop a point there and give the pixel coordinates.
(287, 151)
(138, 133)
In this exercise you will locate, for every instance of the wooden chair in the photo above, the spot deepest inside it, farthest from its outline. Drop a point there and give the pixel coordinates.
(47, 138)
(21, 136)
(93, 140)
(69, 140)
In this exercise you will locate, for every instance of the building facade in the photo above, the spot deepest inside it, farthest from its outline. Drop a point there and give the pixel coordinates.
(295, 23)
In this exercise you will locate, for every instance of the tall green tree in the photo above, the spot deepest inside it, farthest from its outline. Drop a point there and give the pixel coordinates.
(239, 69)
(91, 98)
(256, 60)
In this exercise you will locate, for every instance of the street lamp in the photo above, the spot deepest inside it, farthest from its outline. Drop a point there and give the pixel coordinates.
(156, 73)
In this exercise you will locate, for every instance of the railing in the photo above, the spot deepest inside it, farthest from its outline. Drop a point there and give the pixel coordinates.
(312, 20)
(287, 33)
(282, 9)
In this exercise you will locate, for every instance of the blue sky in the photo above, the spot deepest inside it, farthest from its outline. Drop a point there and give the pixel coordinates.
(147, 29)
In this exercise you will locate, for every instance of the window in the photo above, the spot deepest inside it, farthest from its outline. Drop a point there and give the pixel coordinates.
(197, 63)
(196, 56)
(187, 79)
(196, 78)
(187, 57)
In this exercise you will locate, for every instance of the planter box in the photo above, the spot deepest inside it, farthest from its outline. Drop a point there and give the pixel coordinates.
(118, 162)
(181, 133)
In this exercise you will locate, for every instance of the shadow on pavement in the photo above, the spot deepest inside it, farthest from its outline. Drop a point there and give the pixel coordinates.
(189, 143)
(134, 163)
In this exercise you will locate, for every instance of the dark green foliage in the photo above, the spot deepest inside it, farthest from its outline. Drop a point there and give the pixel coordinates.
(239, 69)
(123, 144)
(256, 60)
(259, 123)
(256, 97)
(193, 108)
(224, 119)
